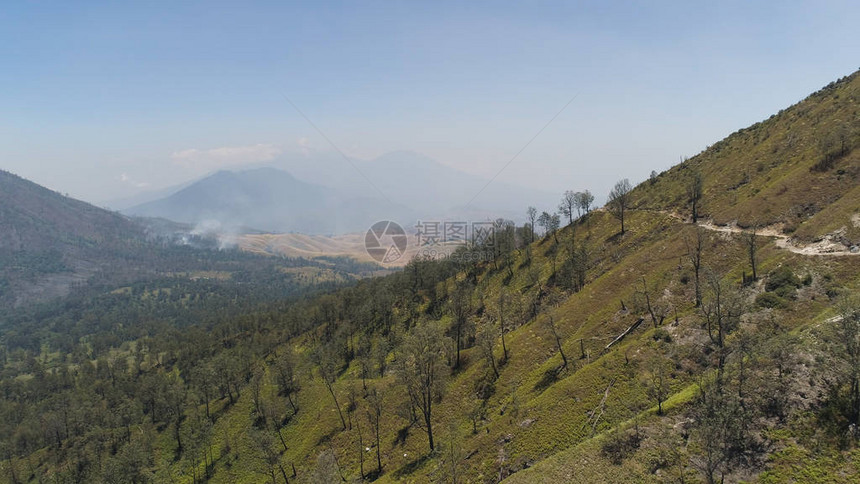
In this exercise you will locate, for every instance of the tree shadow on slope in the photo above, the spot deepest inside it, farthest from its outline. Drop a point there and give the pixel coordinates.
(550, 376)
(411, 467)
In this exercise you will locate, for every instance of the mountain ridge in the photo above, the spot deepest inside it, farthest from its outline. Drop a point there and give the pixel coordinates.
(399, 185)
(268, 199)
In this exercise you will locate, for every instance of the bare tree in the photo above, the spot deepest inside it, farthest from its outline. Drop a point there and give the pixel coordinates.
(832, 146)
(421, 369)
(360, 449)
(268, 454)
(694, 190)
(716, 429)
(557, 338)
(502, 313)
(848, 331)
(650, 307)
(326, 362)
(256, 385)
(584, 201)
(752, 248)
(327, 469)
(374, 415)
(694, 252)
(460, 307)
(619, 200)
(550, 223)
(486, 340)
(657, 381)
(272, 413)
(453, 454)
(364, 353)
(532, 214)
(575, 268)
(568, 205)
(721, 309)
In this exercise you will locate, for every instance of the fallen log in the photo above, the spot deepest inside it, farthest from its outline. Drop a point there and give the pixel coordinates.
(625, 333)
(594, 416)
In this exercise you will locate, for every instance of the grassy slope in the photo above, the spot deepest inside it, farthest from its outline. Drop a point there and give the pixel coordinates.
(761, 174)
(526, 420)
(539, 426)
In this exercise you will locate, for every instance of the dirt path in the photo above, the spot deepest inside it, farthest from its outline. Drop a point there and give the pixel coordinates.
(826, 246)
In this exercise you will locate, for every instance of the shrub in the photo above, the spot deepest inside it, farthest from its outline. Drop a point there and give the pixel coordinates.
(770, 300)
(621, 445)
(783, 282)
(661, 334)
(485, 387)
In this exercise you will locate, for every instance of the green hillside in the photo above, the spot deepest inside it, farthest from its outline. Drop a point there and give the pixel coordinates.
(798, 169)
(587, 355)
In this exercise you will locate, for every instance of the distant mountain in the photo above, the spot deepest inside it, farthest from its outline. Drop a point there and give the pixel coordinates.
(429, 188)
(48, 241)
(325, 195)
(269, 199)
(51, 244)
(142, 197)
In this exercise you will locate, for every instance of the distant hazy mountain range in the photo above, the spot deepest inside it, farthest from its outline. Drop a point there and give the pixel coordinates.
(267, 199)
(329, 195)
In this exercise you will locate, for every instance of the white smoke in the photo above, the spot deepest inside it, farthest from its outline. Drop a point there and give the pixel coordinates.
(212, 228)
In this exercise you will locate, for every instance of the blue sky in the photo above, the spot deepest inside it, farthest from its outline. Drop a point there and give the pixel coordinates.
(105, 99)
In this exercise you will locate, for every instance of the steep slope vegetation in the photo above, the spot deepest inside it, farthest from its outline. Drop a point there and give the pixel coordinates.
(799, 169)
(588, 355)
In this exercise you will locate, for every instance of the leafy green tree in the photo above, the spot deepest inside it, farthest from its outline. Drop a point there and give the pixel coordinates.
(197, 434)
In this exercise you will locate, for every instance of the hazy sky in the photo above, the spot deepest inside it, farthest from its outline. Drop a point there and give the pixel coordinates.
(105, 99)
